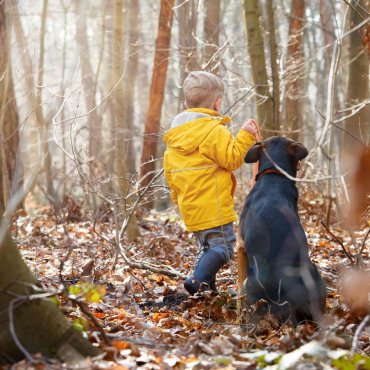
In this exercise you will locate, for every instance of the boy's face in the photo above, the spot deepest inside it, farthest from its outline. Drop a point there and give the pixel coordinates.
(218, 105)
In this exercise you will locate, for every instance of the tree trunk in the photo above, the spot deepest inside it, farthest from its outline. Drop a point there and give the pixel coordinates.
(294, 70)
(39, 111)
(156, 95)
(258, 65)
(32, 153)
(36, 324)
(132, 63)
(328, 33)
(119, 111)
(9, 137)
(187, 18)
(211, 59)
(274, 57)
(119, 97)
(88, 76)
(357, 77)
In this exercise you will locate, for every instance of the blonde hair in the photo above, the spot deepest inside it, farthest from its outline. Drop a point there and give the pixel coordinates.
(202, 89)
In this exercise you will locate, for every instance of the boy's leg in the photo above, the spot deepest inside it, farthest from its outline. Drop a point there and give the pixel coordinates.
(217, 249)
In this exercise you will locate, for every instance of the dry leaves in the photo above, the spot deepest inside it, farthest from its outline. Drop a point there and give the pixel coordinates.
(151, 321)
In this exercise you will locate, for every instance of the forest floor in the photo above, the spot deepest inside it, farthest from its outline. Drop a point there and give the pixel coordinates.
(151, 323)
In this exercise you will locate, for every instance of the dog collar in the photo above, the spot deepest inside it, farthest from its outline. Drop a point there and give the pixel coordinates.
(269, 170)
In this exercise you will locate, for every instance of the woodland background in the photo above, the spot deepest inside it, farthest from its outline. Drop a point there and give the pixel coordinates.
(87, 90)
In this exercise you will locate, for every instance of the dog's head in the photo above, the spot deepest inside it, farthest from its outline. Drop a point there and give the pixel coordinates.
(277, 150)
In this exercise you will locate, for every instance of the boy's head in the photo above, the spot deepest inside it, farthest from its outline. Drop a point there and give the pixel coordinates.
(203, 90)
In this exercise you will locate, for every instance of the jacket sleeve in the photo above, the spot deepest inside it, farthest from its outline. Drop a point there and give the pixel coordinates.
(227, 152)
(168, 177)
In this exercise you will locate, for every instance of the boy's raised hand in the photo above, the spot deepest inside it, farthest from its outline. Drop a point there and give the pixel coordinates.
(250, 125)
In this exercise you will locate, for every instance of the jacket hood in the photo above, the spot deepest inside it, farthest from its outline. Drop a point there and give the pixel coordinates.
(191, 127)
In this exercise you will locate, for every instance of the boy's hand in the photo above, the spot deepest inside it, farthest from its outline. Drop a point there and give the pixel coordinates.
(250, 125)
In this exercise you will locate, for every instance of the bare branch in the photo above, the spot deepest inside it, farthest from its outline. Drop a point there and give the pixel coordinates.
(362, 326)
(348, 255)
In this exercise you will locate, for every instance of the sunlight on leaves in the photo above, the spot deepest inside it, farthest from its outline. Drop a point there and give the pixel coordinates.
(80, 324)
(91, 293)
(358, 361)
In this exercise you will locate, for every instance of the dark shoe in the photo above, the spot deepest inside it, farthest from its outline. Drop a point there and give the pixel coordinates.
(192, 285)
(204, 275)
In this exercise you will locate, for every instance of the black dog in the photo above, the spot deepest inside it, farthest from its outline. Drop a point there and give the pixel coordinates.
(279, 268)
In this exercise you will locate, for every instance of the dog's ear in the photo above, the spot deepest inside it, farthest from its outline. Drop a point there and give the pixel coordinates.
(298, 151)
(254, 153)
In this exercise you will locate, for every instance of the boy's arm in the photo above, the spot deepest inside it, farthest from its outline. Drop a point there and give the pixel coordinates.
(226, 151)
(168, 177)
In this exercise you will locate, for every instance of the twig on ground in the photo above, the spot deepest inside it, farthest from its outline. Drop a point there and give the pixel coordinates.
(362, 326)
(358, 258)
(169, 271)
(348, 255)
(85, 310)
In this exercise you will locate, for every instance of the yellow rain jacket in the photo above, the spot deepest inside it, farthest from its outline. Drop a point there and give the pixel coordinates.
(198, 163)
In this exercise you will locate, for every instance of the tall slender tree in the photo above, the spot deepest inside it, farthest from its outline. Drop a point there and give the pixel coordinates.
(187, 17)
(9, 137)
(274, 61)
(119, 110)
(33, 156)
(294, 69)
(40, 117)
(257, 59)
(211, 35)
(88, 80)
(132, 63)
(357, 75)
(156, 95)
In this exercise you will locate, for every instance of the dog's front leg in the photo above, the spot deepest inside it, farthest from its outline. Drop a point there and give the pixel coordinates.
(241, 263)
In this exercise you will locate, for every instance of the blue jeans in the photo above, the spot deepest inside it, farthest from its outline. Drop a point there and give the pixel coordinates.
(216, 249)
(220, 238)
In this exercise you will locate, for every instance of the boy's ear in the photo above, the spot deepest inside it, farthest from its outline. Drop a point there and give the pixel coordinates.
(254, 153)
(298, 151)
(217, 105)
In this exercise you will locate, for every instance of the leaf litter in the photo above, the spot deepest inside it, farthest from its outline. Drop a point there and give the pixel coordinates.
(152, 323)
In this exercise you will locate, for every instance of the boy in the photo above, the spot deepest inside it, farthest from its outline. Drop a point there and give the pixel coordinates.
(201, 155)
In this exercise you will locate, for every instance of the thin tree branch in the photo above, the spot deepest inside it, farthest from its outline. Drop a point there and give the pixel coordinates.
(341, 128)
(364, 323)
(362, 246)
(348, 255)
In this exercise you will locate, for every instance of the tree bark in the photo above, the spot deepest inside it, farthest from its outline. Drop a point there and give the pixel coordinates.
(132, 18)
(258, 66)
(119, 96)
(37, 324)
(32, 155)
(357, 76)
(294, 70)
(119, 111)
(187, 18)
(39, 111)
(9, 136)
(211, 59)
(88, 80)
(274, 57)
(156, 95)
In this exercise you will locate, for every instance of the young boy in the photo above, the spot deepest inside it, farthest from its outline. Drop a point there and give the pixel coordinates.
(201, 155)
